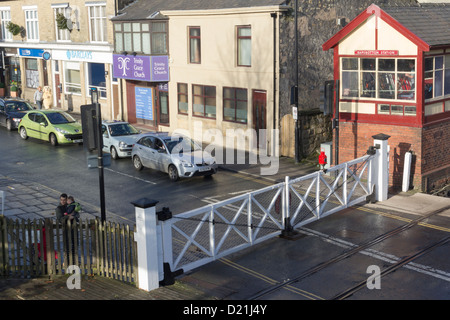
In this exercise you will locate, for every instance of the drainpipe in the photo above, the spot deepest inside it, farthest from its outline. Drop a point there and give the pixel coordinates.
(274, 16)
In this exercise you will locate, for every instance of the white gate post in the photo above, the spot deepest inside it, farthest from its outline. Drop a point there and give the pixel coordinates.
(147, 243)
(381, 166)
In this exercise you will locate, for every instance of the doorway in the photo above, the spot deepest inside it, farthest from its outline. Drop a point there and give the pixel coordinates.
(259, 98)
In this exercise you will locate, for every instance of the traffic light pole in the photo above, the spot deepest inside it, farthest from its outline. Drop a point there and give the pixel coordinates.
(98, 112)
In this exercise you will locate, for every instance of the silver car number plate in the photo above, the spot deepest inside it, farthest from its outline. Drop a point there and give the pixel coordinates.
(204, 169)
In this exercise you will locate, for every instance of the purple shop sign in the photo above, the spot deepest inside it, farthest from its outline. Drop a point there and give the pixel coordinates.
(160, 68)
(144, 68)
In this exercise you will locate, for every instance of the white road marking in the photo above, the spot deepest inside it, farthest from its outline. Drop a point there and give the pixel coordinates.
(130, 176)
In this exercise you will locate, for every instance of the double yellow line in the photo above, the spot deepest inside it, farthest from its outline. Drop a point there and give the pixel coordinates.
(270, 281)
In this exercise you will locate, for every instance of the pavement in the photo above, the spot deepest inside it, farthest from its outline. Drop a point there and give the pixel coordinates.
(31, 200)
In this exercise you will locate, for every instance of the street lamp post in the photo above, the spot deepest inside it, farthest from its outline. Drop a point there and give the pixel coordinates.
(94, 97)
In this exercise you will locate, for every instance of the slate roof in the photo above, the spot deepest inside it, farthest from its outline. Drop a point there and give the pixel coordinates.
(142, 9)
(431, 22)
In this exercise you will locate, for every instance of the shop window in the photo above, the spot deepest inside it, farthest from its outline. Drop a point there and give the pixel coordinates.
(204, 101)
(182, 98)
(31, 73)
(72, 80)
(437, 76)
(194, 45)
(32, 24)
(97, 23)
(378, 78)
(235, 104)
(96, 78)
(244, 46)
(5, 16)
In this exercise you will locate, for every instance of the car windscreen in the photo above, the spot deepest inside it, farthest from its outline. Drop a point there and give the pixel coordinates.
(181, 144)
(122, 129)
(60, 118)
(17, 106)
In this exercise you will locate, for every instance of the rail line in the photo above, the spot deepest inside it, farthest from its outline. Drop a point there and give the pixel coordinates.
(347, 293)
(353, 251)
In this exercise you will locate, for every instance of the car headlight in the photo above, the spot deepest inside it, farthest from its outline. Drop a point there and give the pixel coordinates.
(122, 144)
(186, 164)
(17, 119)
(61, 130)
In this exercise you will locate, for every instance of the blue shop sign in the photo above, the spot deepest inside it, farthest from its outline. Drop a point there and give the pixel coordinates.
(32, 53)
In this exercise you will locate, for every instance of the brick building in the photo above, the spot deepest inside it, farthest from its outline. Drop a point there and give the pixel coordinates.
(393, 72)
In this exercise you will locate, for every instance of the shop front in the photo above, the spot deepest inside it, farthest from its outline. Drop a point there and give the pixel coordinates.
(393, 77)
(145, 81)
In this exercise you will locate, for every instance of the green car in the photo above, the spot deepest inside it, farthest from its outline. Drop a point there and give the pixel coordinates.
(58, 127)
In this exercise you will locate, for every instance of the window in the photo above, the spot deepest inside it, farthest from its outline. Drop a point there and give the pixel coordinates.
(141, 37)
(397, 110)
(72, 80)
(182, 98)
(96, 78)
(244, 46)
(32, 24)
(97, 23)
(163, 104)
(5, 16)
(204, 101)
(235, 104)
(194, 45)
(437, 76)
(378, 78)
(62, 35)
(159, 38)
(31, 73)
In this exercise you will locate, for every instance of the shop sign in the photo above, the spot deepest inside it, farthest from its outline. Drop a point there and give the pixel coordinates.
(143, 68)
(31, 53)
(376, 52)
(82, 56)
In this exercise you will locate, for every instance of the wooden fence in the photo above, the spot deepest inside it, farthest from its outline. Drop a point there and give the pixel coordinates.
(43, 247)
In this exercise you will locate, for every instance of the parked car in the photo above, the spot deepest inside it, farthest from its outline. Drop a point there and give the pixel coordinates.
(57, 127)
(118, 138)
(177, 155)
(12, 112)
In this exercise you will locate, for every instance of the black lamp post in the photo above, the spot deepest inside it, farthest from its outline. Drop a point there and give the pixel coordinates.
(94, 100)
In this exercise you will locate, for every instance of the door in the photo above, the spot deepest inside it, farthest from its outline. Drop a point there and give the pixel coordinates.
(259, 116)
(57, 85)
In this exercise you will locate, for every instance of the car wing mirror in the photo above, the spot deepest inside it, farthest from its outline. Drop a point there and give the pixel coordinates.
(43, 124)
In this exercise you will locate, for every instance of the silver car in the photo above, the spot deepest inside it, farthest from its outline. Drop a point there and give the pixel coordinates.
(118, 138)
(177, 155)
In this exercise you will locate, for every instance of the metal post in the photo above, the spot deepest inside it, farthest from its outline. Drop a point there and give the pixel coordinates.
(98, 112)
(296, 147)
(381, 168)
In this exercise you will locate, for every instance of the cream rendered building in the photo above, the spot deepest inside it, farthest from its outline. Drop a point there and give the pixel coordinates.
(223, 68)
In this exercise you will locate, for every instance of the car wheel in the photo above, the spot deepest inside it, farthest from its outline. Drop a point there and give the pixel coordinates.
(114, 154)
(8, 125)
(53, 139)
(173, 173)
(23, 133)
(137, 163)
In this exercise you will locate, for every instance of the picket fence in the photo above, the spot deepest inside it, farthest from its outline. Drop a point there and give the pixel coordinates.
(44, 247)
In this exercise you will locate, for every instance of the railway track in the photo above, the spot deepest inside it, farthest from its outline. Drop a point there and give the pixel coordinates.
(358, 249)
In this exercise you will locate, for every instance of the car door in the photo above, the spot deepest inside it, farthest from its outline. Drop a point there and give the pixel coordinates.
(145, 151)
(42, 125)
(32, 126)
(106, 138)
(161, 155)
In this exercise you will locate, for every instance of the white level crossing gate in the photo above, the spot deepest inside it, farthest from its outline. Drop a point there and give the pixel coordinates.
(169, 245)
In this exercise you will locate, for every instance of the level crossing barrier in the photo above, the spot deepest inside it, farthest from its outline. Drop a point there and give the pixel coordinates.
(168, 245)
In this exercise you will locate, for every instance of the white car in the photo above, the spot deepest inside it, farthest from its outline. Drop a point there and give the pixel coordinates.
(118, 138)
(177, 155)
